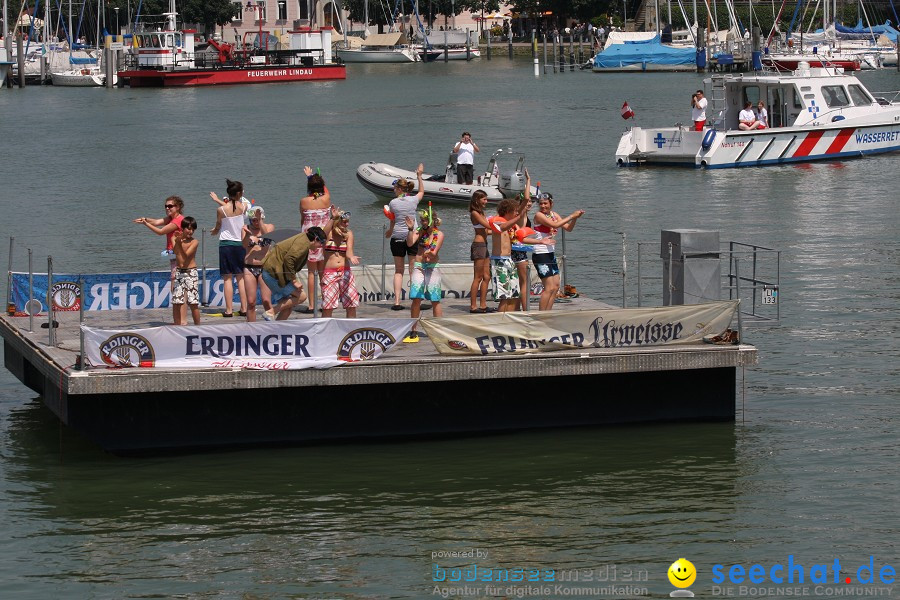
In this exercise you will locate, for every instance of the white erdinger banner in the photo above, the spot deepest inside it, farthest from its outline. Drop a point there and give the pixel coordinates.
(297, 344)
(522, 333)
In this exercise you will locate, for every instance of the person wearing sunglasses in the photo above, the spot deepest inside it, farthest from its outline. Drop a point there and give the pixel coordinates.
(283, 263)
(168, 226)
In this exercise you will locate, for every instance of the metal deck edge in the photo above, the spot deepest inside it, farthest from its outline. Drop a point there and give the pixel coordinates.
(32, 353)
(383, 371)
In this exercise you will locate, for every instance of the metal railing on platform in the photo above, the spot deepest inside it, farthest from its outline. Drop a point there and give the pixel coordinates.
(758, 290)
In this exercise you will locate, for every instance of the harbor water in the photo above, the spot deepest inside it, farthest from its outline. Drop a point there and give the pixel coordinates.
(809, 470)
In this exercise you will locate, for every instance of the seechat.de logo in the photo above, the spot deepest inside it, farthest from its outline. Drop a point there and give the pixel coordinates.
(682, 575)
(793, 572)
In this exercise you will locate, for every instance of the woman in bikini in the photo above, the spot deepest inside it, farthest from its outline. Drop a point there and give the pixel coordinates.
(315, 211)
(481, 275)
(256, 245)
(338, 284)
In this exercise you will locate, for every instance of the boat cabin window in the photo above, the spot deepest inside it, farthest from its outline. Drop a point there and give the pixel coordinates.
(751, 94)
(835, 96)
(155, 41)
(170, 41)
(798, 102)
(859, 95)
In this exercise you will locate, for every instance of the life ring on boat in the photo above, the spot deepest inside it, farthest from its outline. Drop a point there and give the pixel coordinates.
(708, 139)
(388, 213)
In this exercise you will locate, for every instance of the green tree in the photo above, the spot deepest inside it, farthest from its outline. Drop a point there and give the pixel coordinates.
(209, 13)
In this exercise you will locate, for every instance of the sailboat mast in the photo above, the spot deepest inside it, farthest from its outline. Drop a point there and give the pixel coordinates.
(657, 17)
(366, 16)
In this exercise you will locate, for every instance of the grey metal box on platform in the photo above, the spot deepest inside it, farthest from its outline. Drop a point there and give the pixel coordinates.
(696, 275)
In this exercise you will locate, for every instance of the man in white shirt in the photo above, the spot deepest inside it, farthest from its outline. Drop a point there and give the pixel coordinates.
(698, 110)
(465, 150)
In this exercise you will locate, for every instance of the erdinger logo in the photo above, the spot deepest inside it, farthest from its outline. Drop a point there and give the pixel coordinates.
(127, 350)
(457, 345)
(66, 295)
(363, 344)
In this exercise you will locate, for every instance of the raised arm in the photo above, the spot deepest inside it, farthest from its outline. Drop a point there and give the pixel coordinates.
(527, 186)
(215, 230)
(543, 219)
(413, 236)
(157, 226)
(216, 199)
(421, 193)
(573, 218)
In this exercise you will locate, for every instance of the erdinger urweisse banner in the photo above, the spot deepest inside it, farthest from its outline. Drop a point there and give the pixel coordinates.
(151, 289)
(519, 332)
(294, 344)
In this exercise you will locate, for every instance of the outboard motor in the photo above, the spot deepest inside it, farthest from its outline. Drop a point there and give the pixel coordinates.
(511, 183)
(450, 172)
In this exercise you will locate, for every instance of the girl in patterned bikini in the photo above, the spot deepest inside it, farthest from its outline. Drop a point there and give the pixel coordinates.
(338, 284)
(257, 246)
(315, 211)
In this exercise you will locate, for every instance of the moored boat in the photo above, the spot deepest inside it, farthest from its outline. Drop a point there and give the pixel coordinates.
(792, 61)
(641, 54)
(84, 73)
(379, 48)
(814, 114)
(168, 58)
(504, 178)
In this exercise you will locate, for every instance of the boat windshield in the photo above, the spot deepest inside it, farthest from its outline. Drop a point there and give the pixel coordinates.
(508, 156)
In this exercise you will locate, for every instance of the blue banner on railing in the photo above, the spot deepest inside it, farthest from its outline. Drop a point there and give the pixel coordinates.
(110, 291)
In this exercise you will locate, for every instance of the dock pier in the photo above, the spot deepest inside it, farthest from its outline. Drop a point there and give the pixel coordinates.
(411, 391)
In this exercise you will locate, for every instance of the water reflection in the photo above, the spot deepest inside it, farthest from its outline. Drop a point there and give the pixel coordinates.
(366, 517)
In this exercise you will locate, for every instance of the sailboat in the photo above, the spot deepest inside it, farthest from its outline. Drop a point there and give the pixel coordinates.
(378, 48)
(83, 71)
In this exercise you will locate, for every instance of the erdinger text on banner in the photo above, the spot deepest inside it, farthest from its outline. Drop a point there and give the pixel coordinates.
(522, 333)
(298, 344)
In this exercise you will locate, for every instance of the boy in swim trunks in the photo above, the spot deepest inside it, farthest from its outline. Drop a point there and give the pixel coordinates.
(184, 288)
(504, 274)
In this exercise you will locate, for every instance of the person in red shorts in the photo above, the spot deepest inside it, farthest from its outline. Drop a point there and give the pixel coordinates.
(698, 110)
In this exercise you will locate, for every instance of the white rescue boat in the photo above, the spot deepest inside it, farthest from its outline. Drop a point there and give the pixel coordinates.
(813, 114)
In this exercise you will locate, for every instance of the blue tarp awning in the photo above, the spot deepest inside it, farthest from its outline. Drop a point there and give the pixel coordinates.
(641, 52)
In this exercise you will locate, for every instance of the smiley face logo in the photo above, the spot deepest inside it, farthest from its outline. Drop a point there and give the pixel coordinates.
(682, 573)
